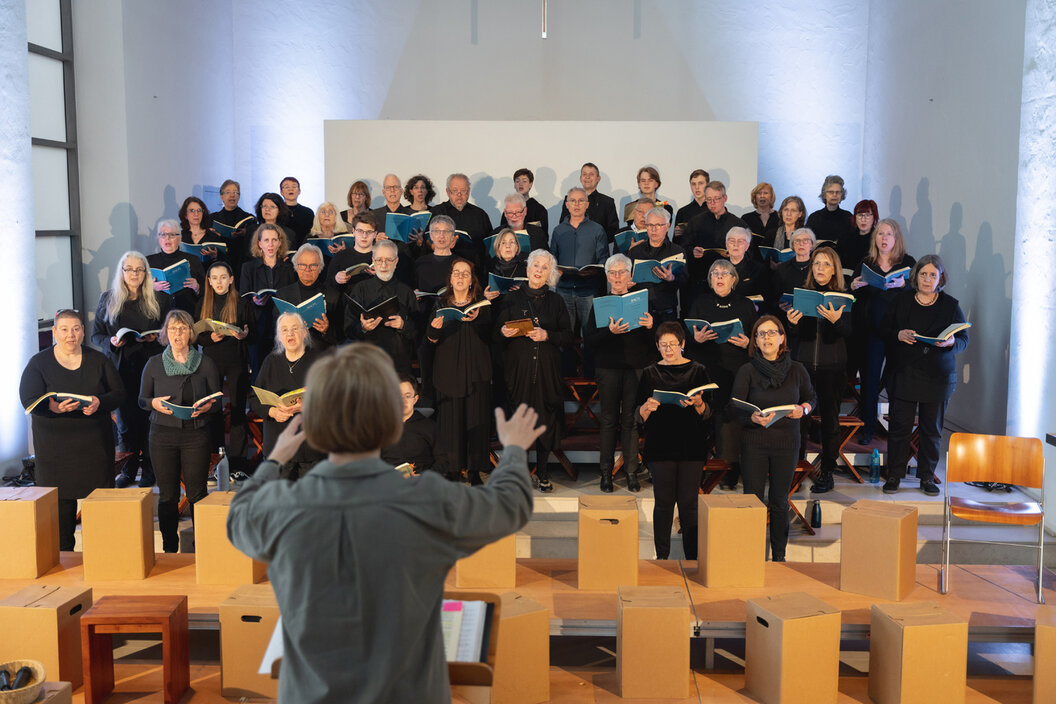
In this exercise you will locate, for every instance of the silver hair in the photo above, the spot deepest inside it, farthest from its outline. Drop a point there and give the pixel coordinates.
(515, 198)
(661, 212)
(452, 177)
(833, 180)
(727, 266)
(577, 188)
(307, 249)
(170, 223)
(618, 259)
(278, 326)
(442, 220)
(739, 232)
(387, 244)
(804, 231)
(555, 273)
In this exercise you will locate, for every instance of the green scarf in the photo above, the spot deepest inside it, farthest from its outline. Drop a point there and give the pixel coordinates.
(174, 368)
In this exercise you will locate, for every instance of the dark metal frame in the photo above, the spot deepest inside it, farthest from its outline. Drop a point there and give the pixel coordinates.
(70, 145)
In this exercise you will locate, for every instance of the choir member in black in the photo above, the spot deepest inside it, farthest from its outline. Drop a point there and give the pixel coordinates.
(131, 302)
(185, 298)
(419, 193)
(722, 359)
(395, 330)
(854, 247)
(887, 253)
(648, 179)
(365, 231)
(763, 221)
(432, 270)
(533, 360)
(300, 219)
(698, 181)
(74, 444)
(535, 212)
(231, 215)
(600, 208)
(269, 268)
(922, 376)
(509, 261)
(663, 295)
(283, 371)
(196, 228)
(467, 217)
(221, 302)
(792, 274)
(418, 438)
(675, 449)
(327, 226)
(358, 199)
(706, 233)
(462, 376)
(308, 264)
(517, 216)
(180, 449)
(753, 278)
(620, 356)
(820, 345)
(271, 209)
(769, 452)
(831, 222)
(392, 192)
(793, 214)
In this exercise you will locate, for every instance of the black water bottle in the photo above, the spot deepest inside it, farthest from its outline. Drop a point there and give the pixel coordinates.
(22, 678)
(815, 514)
(5, 680)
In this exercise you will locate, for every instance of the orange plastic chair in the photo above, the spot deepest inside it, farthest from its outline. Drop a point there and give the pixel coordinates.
(1001, 459)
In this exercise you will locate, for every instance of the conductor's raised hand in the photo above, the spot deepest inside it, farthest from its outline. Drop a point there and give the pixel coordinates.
(288, 442)
(520, 429)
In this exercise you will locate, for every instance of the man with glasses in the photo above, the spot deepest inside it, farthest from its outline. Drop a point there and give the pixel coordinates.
(707, 231)
(365, 231)
(663, 295)
(600, 208)
(308, 263)
(169, 238)
(832, 222)
(392, 328)
(467, 217)
(515, 216)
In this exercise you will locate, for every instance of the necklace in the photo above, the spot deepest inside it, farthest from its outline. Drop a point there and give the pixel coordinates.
(293, 364)
(922, 302)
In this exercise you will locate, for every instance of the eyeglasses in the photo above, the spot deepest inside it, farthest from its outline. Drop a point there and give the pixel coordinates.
(577, 200)
(309, 267)
(461, 274)
(764, 334)
(721, 274)
(133, 270)
(863, 215)
(386, 188)
(656, 225)
(619, 272)
(169, 235)
(715, 199)
(436, 232)
(384, 260)
(194, 210)
(459, 191)
(361, 231)
(670, 345)
(512, 213)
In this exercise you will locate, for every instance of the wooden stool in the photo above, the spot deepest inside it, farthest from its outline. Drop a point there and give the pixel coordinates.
(803, 470)
(135, 614)
(849, 425)
(714, 471)
(585, 392)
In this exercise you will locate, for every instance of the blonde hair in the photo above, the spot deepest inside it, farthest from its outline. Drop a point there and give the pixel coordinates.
(284, 244)
(119, 293)
(339, 223)
(353, 402)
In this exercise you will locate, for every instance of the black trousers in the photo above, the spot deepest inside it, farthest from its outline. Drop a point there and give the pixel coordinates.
(675, 483)
(178, 453)
(616, 391)
(237, 377)
(871, 372)
(760, 465)
(67, 524)
(132, 421)
(828, 385)
(463, 427)
(930, 415)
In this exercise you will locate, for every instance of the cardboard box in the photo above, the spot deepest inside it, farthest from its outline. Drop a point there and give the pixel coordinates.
(608, 542)
(247, 620)
(216, 560)
(731, 540)
(918, 652)
(494, 566)
(781, 631)
(56, 693)
(117, 534)
(522, 658)
(1044, 655)
(652, 642)
(878, 549)
(29, 522)
(43, 622)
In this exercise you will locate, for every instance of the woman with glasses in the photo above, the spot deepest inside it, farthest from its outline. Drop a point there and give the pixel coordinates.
(184, 293)
(179, 447)
(770, 441)
(923, 373)
(663, 294)
(462, 375)
(365, 231)
(196, 228)
(65, 428)
(723, 303)
(358, 201)
(620, 355)
(132, 307)
(675, 447)
(793, 214)
(792, 274)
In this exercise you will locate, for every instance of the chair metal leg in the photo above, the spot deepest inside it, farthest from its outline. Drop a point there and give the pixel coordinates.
(1041, 557)
(944, 569)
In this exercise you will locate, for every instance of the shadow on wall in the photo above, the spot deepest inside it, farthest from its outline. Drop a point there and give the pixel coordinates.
(100, 263)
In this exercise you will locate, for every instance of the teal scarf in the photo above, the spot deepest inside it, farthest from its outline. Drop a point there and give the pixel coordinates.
(174, 368)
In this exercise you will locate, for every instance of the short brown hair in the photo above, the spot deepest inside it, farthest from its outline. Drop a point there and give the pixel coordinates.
(179, 316)
(700, 172)
(353, 401)
(753, 347)
(762, 187)
(524, 172)
(653, 173)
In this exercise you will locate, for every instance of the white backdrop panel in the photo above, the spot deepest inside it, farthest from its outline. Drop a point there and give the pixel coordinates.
(490, 151)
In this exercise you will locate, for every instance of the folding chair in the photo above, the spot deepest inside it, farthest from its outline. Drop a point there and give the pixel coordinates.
(994, 458)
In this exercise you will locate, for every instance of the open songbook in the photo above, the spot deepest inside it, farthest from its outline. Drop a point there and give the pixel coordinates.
(82, 401)
(219, 327)
(310, 310)
(399, 226)
(185, 412)
(270, 398)
(943, 336)
(675, 398)
(450, 314)
(643, 268)
(724, 329)
(806, 301)
(630, 307)
(175, 274)
(228, 231)
(778, 411)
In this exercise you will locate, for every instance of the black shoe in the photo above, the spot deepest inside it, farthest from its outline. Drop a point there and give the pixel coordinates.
(123, 480)
(239, 477)
(146, 477)
(778, 559)
(606, 481)
(928, 487)
(545, 486)
(727, 486)
(891, 486)
(823, 484)
(632, 482)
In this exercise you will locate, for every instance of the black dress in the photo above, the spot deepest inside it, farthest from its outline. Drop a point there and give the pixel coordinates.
(74, 452)
(462, 380)
(533, 369)
(399, 344)
(255, 276)
(279, 375)
(231, 357)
